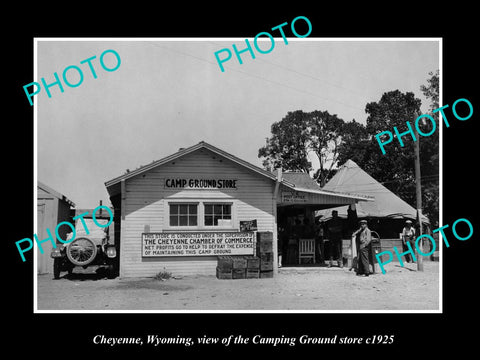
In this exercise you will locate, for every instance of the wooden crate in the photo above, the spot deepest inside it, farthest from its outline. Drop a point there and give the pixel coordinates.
(266, 261)
(264, 242)
(268, 256)
(266, 274)
(225, 262)
(253, 262)
(224, 274)
(264, 236)
(239, 262)
(238, 273)
(266, 266)
(264, 247)
(252, 273)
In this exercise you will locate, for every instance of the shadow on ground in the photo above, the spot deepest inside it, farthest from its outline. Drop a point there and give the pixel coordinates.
(98, 274)
(152, 284)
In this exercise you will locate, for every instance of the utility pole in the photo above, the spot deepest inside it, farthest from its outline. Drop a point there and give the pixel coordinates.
(418, 187)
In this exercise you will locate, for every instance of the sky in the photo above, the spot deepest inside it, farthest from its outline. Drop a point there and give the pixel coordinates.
(170, 93)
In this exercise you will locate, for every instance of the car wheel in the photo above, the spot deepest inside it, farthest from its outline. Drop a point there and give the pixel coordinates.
(81, 251)
(56, 268)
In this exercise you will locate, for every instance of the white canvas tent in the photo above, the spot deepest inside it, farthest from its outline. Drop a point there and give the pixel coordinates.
(352, 179)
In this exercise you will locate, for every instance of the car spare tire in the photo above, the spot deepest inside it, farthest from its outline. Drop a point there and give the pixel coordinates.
(81, 251)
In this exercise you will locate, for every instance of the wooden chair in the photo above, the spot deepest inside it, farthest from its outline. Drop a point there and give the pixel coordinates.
(306, 250)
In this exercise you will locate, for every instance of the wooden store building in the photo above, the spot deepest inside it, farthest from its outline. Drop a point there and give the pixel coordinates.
(180, 213)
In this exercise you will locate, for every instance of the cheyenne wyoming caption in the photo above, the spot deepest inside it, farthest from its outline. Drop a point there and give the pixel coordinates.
(156, 340)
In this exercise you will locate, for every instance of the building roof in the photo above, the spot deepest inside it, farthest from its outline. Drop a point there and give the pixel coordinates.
(351, 178)
(293, 180)
(301, 179)
(183, 152)
(54, 193)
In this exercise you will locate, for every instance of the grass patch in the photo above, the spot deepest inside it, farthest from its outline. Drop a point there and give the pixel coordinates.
(163, 275)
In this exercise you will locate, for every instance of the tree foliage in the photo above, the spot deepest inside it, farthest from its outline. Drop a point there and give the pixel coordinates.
(333, 141)
(396, 169)
(300, 134)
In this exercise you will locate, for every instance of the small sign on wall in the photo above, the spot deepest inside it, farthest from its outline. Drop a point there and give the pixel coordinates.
(248, 225)
(293, 197)
(197, 244)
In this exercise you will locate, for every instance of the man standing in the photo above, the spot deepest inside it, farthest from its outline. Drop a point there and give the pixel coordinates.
(363, 237)
(335, 237)
(319, 244)
(408, 235)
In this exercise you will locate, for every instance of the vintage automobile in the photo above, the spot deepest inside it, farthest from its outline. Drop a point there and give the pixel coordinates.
(94, 250)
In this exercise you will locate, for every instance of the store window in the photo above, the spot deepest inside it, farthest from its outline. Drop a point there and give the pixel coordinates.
(217, 214)
(183, 214)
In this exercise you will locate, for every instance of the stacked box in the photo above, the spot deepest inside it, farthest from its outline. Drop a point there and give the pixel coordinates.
(244, 267)
(264, 242)
(252, 273)
(224, 267)
(265, 253)
(266, 274)
(264, 236)
(253, 267)
(264, 247)
(266, 261)
(239, 262)
(253, 262)
(224, 274)
(238, 273)
(225, 262)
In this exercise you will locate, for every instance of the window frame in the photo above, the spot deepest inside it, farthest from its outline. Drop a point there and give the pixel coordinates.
(200, 203)
(181, 227)
(213, 203)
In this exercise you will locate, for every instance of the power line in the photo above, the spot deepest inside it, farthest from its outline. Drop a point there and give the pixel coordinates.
(256, 76)
(323, 81)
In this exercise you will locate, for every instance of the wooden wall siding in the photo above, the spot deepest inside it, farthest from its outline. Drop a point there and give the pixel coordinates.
(147, 199)
(47, 210)
(50, 212)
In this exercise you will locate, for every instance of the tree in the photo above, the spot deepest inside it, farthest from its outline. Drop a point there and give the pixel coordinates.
(429, 153)
(395, 170)
(432, 91)
(287, 148)
(299, 134)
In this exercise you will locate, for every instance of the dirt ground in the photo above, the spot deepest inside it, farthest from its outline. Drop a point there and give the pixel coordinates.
(401, 288)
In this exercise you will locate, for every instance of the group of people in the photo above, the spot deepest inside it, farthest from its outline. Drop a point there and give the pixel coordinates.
(328, 241)
(361, 238)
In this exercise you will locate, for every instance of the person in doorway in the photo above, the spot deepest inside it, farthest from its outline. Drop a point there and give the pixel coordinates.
(363, 237)
(281, 236)
(307, 229)
(335, 237)
(296, 233)
(408, 235)
(319, 244)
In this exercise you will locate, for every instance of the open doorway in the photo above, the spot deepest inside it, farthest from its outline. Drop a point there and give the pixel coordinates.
(305, 240)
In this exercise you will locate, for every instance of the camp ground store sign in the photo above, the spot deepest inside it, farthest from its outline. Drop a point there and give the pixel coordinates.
(201, 183)
(197, 243)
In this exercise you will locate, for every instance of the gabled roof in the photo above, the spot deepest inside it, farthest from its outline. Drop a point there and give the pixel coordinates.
(352, 179)
(54, 193)
(296, 181)
(300, 181)
(186, 151)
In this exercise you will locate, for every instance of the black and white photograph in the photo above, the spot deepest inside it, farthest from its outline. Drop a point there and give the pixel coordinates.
(297, 181)
(284, 141)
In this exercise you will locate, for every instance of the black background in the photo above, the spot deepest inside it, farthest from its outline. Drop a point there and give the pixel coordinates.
(60, 335)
